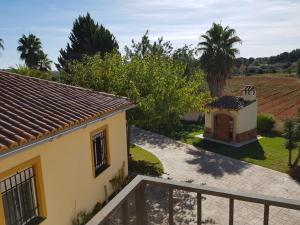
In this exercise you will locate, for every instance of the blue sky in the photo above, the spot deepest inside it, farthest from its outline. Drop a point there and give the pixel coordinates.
(267, 27)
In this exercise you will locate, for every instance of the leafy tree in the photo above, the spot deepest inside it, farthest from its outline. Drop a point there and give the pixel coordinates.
(1, 44)
(218, 56)
(290, 135)
(283, 62)
(292, 56)
(25, 70)
(155, 83)
(145, 47)
(187, 55)
(87, 38)
(30, 48)
(298, 67)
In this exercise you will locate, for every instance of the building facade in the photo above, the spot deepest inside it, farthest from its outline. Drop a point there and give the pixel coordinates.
(233, 119)
(48, 176)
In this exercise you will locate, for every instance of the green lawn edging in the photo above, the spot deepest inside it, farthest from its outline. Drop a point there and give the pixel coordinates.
(144, 162)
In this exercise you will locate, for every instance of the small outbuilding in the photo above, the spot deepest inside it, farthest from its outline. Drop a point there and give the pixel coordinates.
(232, 119)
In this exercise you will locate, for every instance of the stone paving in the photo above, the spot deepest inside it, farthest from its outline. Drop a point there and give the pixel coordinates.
(185, 162)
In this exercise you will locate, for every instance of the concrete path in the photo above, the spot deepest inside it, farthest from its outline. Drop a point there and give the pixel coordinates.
(185, 162)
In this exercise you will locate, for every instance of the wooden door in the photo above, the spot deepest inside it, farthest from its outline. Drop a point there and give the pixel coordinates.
(222, 127)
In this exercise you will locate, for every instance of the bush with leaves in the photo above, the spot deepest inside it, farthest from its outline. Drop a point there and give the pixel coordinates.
(265, 123)
(25, 70)
(155, 83)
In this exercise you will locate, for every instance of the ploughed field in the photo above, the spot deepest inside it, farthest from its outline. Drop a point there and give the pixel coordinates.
(276, 95)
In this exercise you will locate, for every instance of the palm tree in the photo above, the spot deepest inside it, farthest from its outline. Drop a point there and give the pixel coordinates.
(218, 56)
(1, 44)
(44, 64)
(30, 47)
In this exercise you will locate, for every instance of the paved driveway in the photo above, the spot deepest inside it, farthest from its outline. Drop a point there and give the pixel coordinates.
(184, 162)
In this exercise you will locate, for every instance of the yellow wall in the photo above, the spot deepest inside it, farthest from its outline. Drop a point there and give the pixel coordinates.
(67, 169)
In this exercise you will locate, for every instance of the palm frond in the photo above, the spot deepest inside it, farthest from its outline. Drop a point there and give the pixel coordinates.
(218, 54)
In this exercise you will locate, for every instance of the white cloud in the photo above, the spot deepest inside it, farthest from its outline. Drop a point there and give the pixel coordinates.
(266, 26)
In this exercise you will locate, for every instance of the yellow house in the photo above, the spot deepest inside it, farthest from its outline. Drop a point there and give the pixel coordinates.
(232, 119)
(59, 148)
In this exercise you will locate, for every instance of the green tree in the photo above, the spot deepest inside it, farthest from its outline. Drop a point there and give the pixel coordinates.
(298, 67)
(155, 83)
(25, 70)
(30, 48)
(1, 44)
(290, 135)
(145, 47)
(87, 38)
(218, 56)
(187, 55)
(297, 134)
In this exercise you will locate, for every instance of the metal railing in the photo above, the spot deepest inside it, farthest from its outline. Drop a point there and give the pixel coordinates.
(136, 189)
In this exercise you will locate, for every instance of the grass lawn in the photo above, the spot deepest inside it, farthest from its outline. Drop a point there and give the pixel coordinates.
(144, 162)
(268, 152)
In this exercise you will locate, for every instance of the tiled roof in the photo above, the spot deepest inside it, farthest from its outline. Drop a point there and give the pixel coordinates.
(32, 108)
(230, 102)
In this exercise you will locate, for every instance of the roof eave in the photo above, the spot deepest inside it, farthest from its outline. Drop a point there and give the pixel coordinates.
(27, 146)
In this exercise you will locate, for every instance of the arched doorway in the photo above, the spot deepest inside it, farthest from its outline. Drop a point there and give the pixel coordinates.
(223, 127)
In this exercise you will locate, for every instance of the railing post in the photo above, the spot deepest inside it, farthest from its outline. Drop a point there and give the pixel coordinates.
(125, 213)
(140, 205)
(266, 214)
(231, 210)
(199, 208)
(171, 216)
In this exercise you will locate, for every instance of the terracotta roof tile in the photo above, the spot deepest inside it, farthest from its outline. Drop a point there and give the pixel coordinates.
(230, 102)
(32, 108)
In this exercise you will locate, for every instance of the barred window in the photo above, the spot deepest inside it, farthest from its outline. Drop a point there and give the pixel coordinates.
(100, 152)
(19, 198)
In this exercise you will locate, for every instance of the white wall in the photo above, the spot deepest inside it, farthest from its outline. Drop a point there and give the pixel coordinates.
(247, 118)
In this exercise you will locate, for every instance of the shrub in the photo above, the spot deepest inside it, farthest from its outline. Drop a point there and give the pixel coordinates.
(265, 123)
(24, 70)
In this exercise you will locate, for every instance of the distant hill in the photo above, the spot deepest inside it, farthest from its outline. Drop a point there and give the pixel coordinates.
(279, 96)
(284, 62)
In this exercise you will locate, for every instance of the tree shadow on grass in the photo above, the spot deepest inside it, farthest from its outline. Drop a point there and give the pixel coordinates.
(253, 150)
(144, 168)
(218, 165)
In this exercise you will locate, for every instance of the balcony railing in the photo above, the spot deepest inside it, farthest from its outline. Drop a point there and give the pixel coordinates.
(148, 200)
